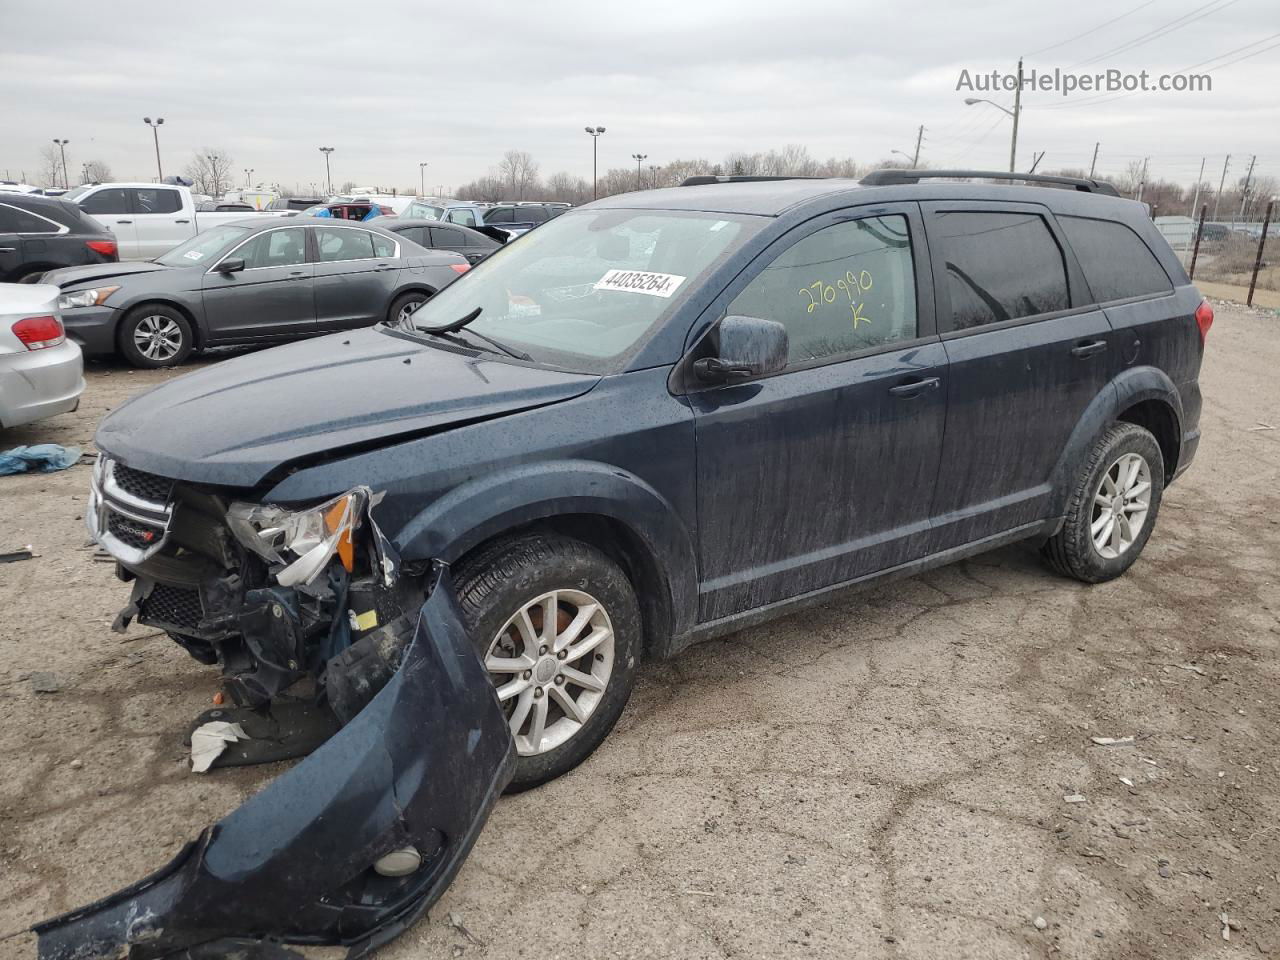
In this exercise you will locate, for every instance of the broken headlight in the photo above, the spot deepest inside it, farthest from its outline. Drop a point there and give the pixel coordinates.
(300, 543)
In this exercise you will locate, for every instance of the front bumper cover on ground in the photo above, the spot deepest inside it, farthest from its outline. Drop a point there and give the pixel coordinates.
(420, 766)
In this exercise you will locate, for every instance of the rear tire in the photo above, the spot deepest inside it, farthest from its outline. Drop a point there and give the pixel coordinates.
(1112, 507)
(154, 335)
(405, 302)
(509, 576)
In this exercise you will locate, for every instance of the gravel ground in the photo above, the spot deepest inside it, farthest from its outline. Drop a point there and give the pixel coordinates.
(880, 777)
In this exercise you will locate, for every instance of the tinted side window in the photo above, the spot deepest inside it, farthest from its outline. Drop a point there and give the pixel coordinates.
(115, 200)
(534, 214)
(446, 239)
(1117, 263)
(156, 201)
(13, 220)
(499, 215)
(465, 217)
(1000, 266)
(339, 244)
(383, 246)
(275, 248)
(847, 287)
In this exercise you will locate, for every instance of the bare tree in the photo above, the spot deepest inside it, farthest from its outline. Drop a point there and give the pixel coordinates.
(566, 188)
(97, 171)
(519, 172)
(210, 172)
(50, 174)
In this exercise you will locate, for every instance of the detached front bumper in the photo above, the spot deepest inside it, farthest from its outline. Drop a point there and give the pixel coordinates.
(421, 766)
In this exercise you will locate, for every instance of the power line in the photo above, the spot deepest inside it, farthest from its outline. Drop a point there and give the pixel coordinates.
(1162, 31)
(1230, 52)
(1081, 36)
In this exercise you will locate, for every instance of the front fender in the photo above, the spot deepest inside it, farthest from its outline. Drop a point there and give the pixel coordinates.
(1131, 387)
(488, 506)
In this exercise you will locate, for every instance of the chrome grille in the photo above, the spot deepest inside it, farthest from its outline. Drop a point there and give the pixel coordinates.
(144, 486)
(129, 510)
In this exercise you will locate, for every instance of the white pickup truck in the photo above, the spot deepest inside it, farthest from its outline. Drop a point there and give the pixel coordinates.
(150, 218)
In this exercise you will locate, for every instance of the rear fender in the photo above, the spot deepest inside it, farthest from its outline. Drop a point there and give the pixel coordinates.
(420, 766)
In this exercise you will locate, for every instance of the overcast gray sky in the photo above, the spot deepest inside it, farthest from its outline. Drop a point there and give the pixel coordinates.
(389, 84)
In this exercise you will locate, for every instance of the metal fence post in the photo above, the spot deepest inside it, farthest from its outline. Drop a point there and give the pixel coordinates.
(1195, 253)
(1262, 242)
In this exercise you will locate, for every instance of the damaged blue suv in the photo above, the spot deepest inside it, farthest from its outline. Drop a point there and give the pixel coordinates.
(655, 419)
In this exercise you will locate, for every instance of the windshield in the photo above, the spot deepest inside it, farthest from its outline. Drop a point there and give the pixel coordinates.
(583, 289)
(422, 211)
(203, 247)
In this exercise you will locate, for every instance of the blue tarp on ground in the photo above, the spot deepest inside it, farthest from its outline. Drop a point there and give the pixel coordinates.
(38, 458)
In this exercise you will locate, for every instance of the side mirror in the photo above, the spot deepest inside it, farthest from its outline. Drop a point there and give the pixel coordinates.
(748, 347)
(231, 266)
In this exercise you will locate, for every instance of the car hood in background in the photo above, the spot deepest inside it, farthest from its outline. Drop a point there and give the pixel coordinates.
(235, 422)
(96, 272)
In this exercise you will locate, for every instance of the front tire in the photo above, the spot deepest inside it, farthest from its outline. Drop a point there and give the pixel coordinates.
(562, 688)
(1112, 508)
(154, 336)
(402, 307)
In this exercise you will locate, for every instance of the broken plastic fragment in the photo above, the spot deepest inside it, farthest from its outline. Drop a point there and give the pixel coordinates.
(210, 739)
(1113, 741)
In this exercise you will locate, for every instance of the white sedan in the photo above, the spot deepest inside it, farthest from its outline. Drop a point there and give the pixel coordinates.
(41, 371)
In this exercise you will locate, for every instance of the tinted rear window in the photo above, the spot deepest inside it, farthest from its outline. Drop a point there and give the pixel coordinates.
(1117, 263)
(1000, 266)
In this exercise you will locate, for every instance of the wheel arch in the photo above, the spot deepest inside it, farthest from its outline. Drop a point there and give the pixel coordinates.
(125, 311)
(608, 508)
(1141, 395)
(414, 286)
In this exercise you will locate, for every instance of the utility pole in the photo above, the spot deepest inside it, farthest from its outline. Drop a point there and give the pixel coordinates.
(1094, 165)
(1036, 162)
(1248, 177)
(155, 135)
(422, 169)
(327, 175)
(1017, 111)
(638, 157)
(915, 160)
(1142, 179)
(62, 145)
(1199, 180)
(595, 141)
(1221, 183)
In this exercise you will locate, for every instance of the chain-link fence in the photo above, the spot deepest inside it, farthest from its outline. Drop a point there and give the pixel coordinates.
(1229, 259)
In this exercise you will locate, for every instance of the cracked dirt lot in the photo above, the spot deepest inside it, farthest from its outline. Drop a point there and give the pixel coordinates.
(880, 777)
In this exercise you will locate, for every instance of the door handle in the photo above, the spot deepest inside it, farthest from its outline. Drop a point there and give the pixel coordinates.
(124, 221)
(913, 388)
(8, 249)
(182, 221)
(298, 274)
(1088, 348)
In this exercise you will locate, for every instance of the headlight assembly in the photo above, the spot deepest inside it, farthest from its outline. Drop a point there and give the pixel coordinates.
(302, 541)
(85, 298)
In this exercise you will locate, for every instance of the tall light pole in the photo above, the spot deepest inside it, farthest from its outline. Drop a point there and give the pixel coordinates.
(327, 175)
(422, 169)
(248, 176)
(638, 157)
(595, 139)
(62, 145)
(155, 135)
(1015, 113)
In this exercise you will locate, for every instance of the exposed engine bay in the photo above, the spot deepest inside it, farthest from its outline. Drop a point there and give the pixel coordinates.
(269, 594)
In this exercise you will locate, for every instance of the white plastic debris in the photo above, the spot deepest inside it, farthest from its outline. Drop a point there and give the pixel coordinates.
(1074, 798)
(1126, 781)
(1113, 741)
(209, 740)
(1226, 926)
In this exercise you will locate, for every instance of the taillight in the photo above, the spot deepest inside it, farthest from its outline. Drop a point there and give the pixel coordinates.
(105, 247)
(460, 267)
(39, 332)
(1204, 319)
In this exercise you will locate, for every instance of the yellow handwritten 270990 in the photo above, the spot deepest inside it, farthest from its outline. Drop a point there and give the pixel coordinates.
(820, 292)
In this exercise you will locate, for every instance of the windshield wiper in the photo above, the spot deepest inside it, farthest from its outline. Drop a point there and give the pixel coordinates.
(456, 324)
(445, 335)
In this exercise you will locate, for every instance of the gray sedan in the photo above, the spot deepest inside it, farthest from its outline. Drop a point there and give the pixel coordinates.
(41, 372)
(252, 281)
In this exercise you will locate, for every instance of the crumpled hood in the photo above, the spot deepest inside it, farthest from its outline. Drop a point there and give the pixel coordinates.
(94, 272)
(234, 422)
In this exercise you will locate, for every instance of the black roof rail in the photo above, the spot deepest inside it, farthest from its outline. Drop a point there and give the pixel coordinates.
(887, 177)
(703, 179)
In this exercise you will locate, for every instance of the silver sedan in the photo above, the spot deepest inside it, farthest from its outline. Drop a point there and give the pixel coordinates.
(41, 371)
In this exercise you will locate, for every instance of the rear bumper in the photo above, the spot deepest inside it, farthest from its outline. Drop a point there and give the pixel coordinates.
(94, 328)
(40, 383)
(420, 766)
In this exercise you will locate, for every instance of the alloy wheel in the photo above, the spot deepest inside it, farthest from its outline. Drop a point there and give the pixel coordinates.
(158, 337)
(551, 663)
(1120, 506)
